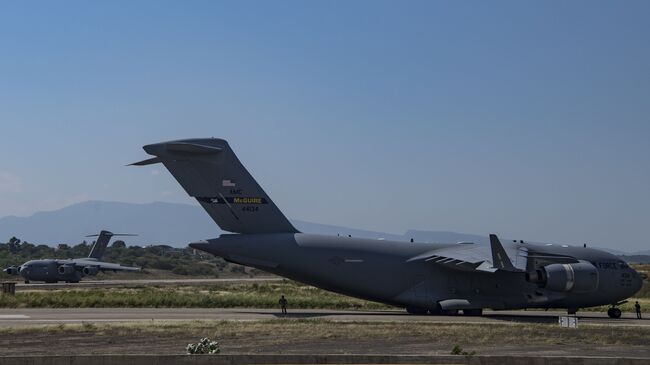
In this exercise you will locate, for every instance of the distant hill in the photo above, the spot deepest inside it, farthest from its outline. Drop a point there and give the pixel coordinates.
(637, 259)
(159, 223)
(171, 224)
(164, 223)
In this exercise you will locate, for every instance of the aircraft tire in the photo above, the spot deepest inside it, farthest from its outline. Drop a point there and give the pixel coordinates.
(473, 312)
(26, 281)
(614, 312)
(416, 310)
(443, 312)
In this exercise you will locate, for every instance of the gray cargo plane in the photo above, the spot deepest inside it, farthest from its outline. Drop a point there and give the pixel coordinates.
(421, 277)
(70, 270)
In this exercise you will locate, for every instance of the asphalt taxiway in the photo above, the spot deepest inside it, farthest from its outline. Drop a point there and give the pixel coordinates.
(21, 317)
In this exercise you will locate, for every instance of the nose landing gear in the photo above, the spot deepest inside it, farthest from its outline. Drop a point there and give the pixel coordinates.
(613, 311)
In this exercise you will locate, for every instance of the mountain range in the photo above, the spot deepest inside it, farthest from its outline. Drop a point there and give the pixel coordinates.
(172, 224)
(164, 223)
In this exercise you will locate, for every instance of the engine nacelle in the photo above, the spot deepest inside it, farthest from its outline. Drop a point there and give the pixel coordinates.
(581, 277)
(66, 269)
(90, 270)
(12, 270)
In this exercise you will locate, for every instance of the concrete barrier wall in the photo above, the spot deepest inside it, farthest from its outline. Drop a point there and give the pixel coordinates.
(314, 359)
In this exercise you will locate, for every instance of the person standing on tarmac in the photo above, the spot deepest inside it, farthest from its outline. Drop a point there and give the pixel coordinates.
(283, 304)
(637, 307)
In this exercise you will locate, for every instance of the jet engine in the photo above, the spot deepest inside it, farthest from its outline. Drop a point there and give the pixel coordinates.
(66, 269)
(12, 270)
(581, 277)
(90, 270)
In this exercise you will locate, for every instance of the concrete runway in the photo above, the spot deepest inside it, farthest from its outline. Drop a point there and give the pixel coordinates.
(21, 317)
(126, 283)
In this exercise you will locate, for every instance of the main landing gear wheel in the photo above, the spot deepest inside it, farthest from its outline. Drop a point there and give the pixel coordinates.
(416, 310)
(614, 312)
(473, 312)
(449, 312)
(437, 311)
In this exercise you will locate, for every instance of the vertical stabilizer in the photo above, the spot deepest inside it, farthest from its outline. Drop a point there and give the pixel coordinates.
(98, 249)
(209, 171)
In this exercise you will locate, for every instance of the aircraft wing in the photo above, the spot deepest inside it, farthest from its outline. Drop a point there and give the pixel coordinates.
(479, 257)
(103, 266)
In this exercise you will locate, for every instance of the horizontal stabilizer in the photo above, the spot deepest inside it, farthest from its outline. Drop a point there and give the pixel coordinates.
(149, 161)
(191, 148)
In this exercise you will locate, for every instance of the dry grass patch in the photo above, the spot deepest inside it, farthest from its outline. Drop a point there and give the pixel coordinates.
(286, 330)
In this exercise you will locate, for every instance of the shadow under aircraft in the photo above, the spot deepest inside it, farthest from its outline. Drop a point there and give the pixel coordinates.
(70, 270)
(421, 277)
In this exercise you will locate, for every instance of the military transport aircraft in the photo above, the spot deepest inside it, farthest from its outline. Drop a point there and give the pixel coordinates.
(421, 277)
(70, 270)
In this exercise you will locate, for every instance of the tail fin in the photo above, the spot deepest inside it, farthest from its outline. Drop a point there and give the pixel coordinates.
(98, 249)
(210, 172)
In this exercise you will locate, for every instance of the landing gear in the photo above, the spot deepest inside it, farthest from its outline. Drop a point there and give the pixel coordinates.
(417, 310)
(26, 281)
(614, 312)
(449, 312)
(437, 311)
(424, 311)
(473, 312)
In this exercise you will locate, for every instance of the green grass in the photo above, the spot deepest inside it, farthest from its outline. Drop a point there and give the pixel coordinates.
(223, 295)
(255, 295)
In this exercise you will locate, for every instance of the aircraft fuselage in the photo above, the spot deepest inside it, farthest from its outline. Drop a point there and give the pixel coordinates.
(379, 270)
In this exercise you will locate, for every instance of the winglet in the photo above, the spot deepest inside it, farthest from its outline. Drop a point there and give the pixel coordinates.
(500, 259)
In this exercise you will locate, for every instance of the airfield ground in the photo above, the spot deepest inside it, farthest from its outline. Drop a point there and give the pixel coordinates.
(161, 318)
(309, 336)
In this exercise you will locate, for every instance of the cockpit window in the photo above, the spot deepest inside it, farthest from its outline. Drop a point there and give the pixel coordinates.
(623, 265)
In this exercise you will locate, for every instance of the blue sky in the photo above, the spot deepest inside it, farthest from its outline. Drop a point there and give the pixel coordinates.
(528, 119)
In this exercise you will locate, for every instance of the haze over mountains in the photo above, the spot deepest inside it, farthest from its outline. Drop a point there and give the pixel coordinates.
(163, 223)
(168, 223)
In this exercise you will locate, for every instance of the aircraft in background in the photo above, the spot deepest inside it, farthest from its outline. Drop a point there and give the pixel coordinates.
(70, 270)
(421, 277)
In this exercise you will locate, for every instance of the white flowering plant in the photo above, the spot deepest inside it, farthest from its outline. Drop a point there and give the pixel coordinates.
(204, 346)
